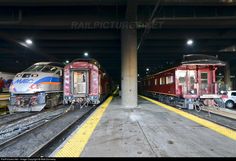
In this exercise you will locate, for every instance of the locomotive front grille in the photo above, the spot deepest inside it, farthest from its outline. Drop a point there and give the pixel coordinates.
(27, 100)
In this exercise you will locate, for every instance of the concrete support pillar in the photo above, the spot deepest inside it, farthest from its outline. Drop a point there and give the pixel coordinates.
(129, 60)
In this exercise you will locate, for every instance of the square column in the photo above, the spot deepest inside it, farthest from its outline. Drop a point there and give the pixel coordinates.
(129, 59)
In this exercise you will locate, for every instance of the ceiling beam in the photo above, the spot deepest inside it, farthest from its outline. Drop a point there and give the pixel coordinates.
(112, 2)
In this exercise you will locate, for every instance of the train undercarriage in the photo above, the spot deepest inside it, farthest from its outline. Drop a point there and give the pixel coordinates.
(187, 103)
(34, 102)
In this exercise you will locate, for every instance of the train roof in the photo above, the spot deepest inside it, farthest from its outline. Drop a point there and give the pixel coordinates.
(92, 61)
(193, 59)
(201, 59)
(58, 64)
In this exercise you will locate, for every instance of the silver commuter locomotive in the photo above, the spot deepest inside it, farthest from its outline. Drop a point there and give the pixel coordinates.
(37, 87)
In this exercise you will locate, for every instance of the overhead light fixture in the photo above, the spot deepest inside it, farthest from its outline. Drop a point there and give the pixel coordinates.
(190, 42)
(86, 54)
(147, 69)
(28, 42)
(67, 61)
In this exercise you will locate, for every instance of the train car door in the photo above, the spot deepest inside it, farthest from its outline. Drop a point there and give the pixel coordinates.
(80, 82)
(204, 80)
(181, 81)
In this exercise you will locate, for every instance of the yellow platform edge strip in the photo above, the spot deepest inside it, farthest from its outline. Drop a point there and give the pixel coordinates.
(213, 126)
(75, 145)
(4, 96)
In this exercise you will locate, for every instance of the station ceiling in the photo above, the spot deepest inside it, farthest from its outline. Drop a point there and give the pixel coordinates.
(64, 29)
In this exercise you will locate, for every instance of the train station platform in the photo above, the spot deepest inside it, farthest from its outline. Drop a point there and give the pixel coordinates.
(150, 130)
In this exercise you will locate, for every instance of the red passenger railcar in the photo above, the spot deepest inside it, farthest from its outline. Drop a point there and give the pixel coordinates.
(85, 81)
(194, 78)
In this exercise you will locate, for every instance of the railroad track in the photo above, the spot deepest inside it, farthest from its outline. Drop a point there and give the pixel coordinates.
(216, 118)
(35, 140)
(213, 117)
(22, 125)
(9, 118)
(60, 137)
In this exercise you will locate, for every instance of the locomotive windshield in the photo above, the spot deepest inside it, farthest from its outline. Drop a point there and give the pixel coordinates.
(35, 68)
(41, 68)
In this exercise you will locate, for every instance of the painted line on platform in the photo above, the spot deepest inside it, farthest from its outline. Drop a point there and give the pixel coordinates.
(213, 126)
(4, 96)
(75, 145)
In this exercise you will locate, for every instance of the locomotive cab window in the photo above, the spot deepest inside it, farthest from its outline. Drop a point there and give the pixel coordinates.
(34, 68)
(59, 72)
(49, 69)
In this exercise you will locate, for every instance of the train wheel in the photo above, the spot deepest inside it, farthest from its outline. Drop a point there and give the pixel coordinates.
(198, 107)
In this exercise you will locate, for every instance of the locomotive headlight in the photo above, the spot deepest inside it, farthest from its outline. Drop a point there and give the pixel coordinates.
(34, 86)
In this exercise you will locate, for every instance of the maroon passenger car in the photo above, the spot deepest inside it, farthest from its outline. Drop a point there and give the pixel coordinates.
(85, 81)
(194, 78)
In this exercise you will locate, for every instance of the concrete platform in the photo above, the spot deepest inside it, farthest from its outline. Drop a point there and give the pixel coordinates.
(152, 131)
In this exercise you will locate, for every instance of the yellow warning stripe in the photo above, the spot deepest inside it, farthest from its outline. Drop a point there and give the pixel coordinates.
(213, 126)
(4, 96)
(75, 145)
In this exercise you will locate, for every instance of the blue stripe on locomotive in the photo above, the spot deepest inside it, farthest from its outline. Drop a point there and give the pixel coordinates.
(48, 79)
